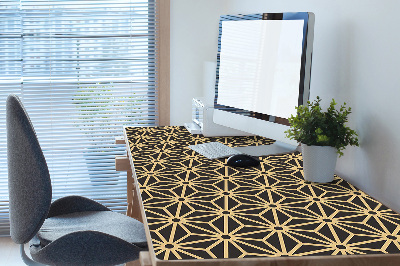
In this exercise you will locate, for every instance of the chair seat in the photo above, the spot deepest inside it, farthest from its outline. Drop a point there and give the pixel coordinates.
(108, 222)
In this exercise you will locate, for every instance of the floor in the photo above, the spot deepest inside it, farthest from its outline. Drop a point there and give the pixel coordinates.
(9, 253)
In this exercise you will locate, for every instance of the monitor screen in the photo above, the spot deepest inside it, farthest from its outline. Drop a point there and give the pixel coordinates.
(260, 63)
(263, 71)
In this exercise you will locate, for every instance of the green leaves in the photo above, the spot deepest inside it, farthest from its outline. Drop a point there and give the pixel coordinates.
(312, 126)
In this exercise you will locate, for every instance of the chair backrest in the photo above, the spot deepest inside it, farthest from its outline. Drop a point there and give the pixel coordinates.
(29, 183)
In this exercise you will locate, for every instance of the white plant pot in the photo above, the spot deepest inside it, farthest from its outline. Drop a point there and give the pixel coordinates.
(319, 163)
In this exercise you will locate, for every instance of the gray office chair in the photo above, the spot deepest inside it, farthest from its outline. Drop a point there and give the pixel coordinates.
(70, 231)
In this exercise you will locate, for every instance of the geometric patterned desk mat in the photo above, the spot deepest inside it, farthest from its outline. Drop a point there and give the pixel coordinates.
(198, 208)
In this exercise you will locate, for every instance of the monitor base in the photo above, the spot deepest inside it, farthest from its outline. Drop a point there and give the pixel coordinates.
(276, 148)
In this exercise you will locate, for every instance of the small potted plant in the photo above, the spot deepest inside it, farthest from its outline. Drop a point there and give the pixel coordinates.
(323, 135)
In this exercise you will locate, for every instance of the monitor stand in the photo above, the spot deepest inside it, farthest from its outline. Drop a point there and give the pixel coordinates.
(276, 148)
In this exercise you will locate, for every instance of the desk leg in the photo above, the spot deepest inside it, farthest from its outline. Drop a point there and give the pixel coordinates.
(133, 263)
(129, 192)
(132, 197)
(133, 210)
(144, 260)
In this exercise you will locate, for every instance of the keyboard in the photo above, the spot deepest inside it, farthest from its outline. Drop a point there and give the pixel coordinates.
(214, 150)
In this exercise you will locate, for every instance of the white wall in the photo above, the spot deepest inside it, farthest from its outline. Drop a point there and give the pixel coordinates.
(356, 59)
(194, 41)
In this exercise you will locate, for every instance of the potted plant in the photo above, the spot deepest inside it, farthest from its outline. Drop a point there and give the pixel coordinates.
(323, 135)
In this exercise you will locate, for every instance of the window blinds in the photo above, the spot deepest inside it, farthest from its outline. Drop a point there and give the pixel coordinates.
(83, 70)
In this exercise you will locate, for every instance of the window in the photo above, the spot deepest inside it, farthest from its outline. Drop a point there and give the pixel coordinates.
(83, 70)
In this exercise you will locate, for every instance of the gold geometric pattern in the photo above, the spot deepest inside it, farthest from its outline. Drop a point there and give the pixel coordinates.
(198, 208)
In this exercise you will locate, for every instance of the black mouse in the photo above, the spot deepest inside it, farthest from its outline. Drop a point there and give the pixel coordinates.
(242, 160)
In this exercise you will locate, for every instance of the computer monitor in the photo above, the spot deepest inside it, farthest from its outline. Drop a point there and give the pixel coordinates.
(263, 73)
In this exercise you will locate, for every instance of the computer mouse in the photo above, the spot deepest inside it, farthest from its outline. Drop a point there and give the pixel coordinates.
(242, 160)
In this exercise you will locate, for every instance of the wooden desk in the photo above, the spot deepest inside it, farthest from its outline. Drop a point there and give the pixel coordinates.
(203, 212)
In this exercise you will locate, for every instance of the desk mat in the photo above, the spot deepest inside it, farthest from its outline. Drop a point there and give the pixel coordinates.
(198, 208)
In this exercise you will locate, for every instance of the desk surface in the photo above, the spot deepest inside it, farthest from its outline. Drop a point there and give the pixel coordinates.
(198, 208)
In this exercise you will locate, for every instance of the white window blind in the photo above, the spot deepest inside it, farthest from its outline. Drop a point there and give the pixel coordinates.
(83, 70)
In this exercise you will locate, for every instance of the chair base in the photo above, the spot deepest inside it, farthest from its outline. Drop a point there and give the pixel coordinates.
(26, 259)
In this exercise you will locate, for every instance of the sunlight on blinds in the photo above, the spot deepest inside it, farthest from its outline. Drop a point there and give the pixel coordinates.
(83, 70)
